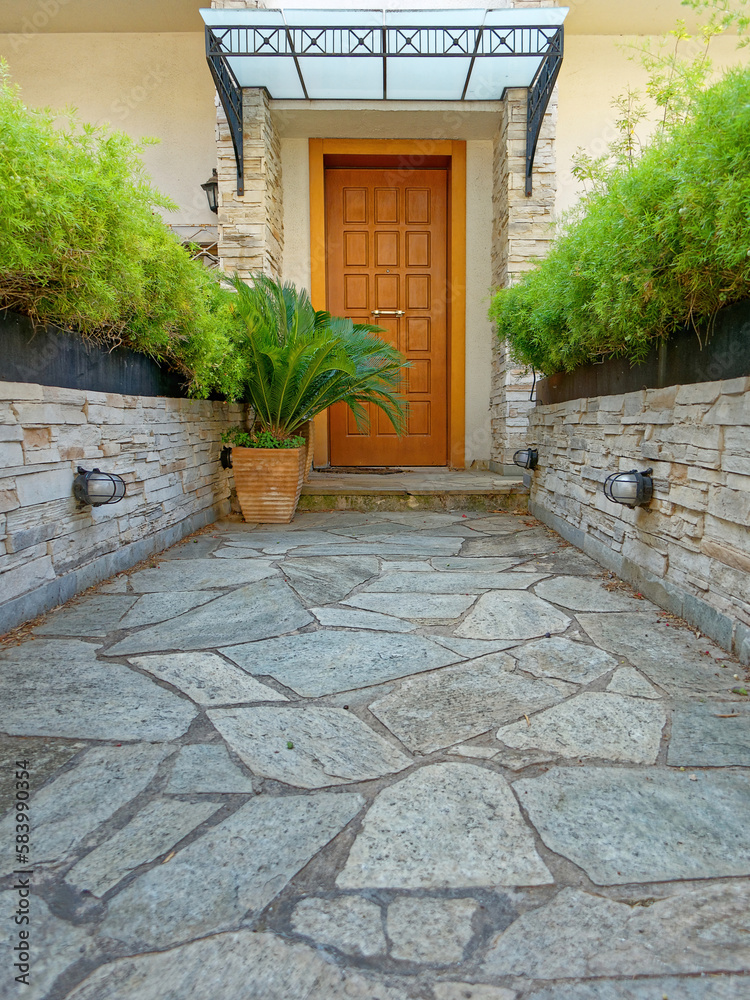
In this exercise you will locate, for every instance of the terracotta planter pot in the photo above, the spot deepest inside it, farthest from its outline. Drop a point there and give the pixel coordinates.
(308, 433)
(268, 482)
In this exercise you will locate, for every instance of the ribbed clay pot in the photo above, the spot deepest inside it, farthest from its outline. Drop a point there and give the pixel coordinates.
(268, 482)
(308, 433)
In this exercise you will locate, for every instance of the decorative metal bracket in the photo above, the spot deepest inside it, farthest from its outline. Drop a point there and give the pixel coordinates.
(230, 95)
(539, 96)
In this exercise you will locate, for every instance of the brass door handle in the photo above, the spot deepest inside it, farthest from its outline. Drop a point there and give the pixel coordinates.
(388, 312)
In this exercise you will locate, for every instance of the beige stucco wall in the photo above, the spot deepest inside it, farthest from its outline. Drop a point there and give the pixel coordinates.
(596, 70)
(144, 84)
(296, 267)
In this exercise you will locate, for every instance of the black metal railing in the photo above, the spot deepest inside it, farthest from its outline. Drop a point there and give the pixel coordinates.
(385, 42)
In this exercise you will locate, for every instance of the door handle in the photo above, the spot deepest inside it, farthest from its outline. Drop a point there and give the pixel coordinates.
(388, 312)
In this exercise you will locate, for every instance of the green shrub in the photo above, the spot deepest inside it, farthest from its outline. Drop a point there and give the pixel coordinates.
(241, 438)
(83, 247)
(666, 245)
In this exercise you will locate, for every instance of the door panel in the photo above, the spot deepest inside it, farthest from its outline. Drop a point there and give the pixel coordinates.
(386, 249)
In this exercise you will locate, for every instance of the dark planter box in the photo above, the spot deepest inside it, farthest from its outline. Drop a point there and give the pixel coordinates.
(48, 355)
(678, 361)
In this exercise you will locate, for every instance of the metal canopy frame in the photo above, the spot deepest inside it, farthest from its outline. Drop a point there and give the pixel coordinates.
(285, 41)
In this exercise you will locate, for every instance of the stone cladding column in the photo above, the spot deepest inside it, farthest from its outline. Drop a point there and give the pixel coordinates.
(251, 229)
(522, 232)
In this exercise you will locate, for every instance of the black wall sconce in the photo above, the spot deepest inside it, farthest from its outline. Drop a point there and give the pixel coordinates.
(632, 489)
(226, 457)
(211, 187)
(527, 458)
(98, 488)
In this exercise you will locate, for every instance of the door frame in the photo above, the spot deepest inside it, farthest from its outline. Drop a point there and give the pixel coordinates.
(455, 151)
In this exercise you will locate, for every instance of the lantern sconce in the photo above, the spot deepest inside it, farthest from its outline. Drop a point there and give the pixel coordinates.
(97, 488)
(211, 187)
(527, 458)
(632, 489)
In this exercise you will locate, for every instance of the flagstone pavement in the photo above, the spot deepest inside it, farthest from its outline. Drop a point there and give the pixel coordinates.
(376, 757)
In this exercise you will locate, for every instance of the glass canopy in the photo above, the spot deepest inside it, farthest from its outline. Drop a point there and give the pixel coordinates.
(406, 55)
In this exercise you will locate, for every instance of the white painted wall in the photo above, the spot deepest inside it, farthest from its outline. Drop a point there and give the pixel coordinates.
(143, 84)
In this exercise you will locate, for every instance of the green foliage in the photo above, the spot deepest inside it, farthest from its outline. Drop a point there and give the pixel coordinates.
(241, 438)
(655, 246)
(83, 247)
(292, 362)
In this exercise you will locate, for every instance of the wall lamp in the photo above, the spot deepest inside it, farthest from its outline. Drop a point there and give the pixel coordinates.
(211, 187)
(633, 489)
(527, 458)
(97, 488)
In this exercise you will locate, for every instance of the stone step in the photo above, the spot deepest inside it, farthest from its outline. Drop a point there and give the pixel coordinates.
(413, 489)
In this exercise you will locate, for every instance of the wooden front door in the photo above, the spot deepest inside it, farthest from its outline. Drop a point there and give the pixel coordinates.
(386, 252)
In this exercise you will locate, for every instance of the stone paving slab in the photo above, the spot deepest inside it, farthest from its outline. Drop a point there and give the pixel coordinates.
(564, 659)
(419, 834)
(508, 614)
(450, 923)
(152, 608)
(246, 965)
(524, 543)
(580, 935)
(307, 747)
(355, 618)
(450, 583)
(206, 768)
(671, 657)
(203, 574)
(548, 838)
(712, 734)
(579, 594)
(207, 678)
(58, 687)
(435, 710)
(418, 607)
(92, 616)
(622, 826)
(319, 663)
(237, 867)
(76, 802)
(671, 987)
(45, 754)
(350, 923)
(57, 944)
(256, 611)
(593, 724)
(325, 581)
(627, 680)
(159, 826)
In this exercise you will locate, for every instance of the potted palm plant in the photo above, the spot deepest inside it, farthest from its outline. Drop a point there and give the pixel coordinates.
(293, 363)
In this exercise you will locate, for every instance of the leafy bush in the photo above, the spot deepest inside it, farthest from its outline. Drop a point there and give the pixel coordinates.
(666, 243)
(241, 438)
(83, 247)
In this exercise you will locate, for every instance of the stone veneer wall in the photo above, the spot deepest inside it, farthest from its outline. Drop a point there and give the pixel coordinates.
(251, 226)
(689, 550)
(166, 450)
(522, 232)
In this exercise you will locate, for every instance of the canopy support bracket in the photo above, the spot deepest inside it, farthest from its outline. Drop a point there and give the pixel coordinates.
(230, 95)
(539, 94)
